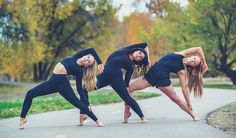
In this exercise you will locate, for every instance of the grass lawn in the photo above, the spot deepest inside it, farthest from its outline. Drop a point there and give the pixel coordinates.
(12, 107)
(218, 86)
(5, 88)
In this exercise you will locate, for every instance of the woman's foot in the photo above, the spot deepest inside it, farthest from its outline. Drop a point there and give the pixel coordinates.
(196, 119)
(99, 123)
(82, 118)
(22, 123)
(126, 116)
(127, 113)
(143, 120)
(194, 116)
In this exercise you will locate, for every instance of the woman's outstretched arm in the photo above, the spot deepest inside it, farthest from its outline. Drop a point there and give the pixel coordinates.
(83, 94)
(196, 50)
(138, 45)
(86, 52)
(182, 78)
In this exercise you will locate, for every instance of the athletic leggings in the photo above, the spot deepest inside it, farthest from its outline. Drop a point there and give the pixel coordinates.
(119, 85)
(56, 83)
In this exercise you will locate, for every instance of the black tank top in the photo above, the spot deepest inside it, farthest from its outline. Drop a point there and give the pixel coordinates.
(169, 63)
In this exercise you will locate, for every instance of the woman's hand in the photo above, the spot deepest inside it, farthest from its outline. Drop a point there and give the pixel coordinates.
(130, 93)
(204, 68)
(128, 89)
(204, 65)
(100, 68)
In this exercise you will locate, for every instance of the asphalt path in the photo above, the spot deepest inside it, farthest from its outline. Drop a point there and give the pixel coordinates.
(166, 120)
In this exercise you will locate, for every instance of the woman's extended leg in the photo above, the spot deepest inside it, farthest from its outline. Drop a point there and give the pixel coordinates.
(138, 84)
(42, 89)
(67, 92)
(119, 86)
(170, 92)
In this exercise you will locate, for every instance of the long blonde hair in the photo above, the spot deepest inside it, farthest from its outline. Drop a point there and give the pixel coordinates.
(89, 77)
(194, 75)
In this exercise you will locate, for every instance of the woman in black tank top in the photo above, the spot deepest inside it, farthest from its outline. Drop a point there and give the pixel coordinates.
(82, 65)
(187, 68)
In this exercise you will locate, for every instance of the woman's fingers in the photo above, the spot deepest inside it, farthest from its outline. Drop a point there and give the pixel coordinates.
(100, 68)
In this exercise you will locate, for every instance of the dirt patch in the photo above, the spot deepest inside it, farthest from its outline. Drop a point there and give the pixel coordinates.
(224, 118)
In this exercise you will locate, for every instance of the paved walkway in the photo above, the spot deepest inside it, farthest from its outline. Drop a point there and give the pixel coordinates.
(166, 120)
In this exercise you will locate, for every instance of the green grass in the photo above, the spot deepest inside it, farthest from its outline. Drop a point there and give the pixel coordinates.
(219, 86)
(12, 108)
(5, 88)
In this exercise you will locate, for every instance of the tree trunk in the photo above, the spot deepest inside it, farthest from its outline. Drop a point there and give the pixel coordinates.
(36, 78)
(232, 75)
(40, 71)
(48, 69)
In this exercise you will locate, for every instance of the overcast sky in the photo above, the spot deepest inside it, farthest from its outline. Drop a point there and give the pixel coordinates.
(127, 7)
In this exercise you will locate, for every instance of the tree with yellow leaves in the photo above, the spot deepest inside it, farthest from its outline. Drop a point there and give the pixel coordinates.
(49, 29)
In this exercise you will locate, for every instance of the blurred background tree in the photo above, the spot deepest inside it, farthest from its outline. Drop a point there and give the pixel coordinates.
(34, 35)
(49, 29)
(208, 24)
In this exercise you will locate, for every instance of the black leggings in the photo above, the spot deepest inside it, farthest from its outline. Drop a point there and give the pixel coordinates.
(118, 84)
(56, 83)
